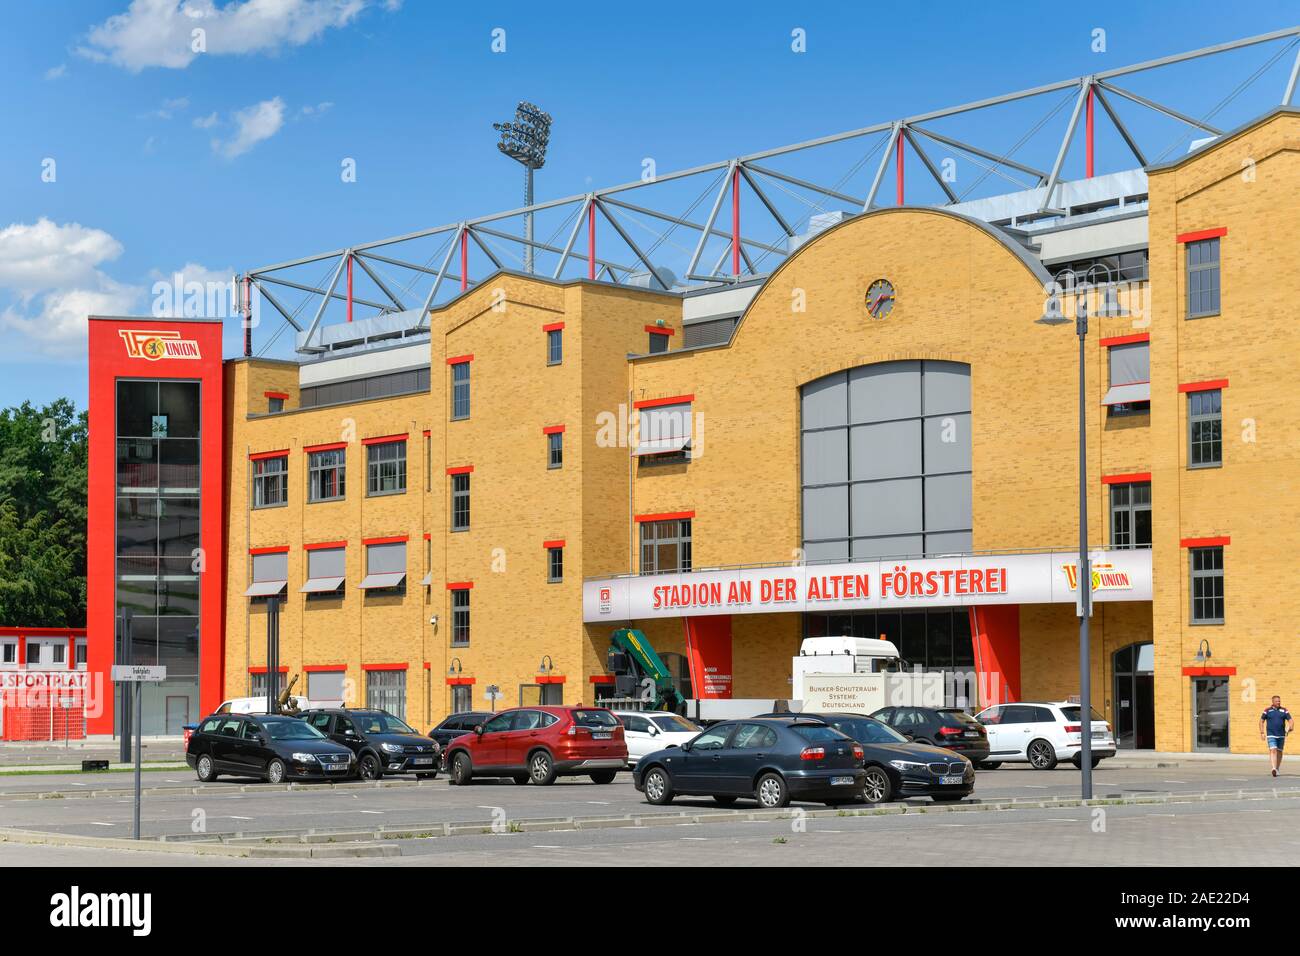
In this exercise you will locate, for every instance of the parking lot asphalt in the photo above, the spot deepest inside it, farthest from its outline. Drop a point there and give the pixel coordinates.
(1259, 832)
(232, 806)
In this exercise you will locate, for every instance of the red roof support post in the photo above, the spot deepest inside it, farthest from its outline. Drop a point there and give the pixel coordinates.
(735, 221)
(1088, 137)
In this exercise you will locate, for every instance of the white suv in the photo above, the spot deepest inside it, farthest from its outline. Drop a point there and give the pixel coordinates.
(1042, 734)
(646, 731)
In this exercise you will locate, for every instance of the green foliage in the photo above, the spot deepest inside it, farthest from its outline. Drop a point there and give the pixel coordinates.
(43, 473)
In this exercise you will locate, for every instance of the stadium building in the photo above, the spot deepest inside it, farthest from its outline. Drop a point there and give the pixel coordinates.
(454, 505)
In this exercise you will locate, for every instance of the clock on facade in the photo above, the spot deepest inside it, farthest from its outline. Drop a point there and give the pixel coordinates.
(880, 299)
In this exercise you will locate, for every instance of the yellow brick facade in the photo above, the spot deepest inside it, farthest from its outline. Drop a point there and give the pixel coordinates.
(963, 295)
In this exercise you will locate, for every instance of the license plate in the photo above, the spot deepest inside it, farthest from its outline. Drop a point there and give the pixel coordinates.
(841, 781)
(336, 766)
(1098, 735)
(971, 733)
(422, 760)
(601, 736)
(951, 781)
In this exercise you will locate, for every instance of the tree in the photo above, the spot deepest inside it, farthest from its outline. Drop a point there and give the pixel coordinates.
(43, 474)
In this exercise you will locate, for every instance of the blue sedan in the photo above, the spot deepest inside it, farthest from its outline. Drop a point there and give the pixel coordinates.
(769, 759)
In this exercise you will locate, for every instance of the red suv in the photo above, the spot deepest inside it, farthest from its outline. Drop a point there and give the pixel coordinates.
(540, 744)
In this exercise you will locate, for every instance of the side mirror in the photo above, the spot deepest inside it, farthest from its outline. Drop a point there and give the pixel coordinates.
(654, 730)
(909, 736)
(478, 729)
(686, 746)
(262, 739)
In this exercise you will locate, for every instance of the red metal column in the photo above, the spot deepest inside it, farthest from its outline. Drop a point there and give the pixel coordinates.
(1088, 140)
(591, 240)
(735, 221)
(898, 167)
(72, 653)
(464, 260)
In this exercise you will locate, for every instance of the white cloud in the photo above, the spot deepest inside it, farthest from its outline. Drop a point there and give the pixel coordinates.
(44, 255)
(205, 122)
(55, 72)
(253, 124)
(161, 32)
(318, 110)
(58, 327)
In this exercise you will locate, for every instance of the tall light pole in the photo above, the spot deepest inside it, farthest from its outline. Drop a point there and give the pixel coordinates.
(1069, 280)
(524, 141)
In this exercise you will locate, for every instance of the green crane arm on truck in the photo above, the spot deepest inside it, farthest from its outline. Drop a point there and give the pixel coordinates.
(648, 667)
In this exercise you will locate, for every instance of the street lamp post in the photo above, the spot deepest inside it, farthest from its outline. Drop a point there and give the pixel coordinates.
(1054, 316)
(524, 141)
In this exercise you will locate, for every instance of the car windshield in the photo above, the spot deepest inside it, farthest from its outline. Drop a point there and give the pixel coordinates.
(595, 718)
(674, 724)
(381, 724)
(291, 729)
(866, 730)
(1072, 713)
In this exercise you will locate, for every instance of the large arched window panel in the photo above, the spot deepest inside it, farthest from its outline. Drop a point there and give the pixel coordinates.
(886, 452)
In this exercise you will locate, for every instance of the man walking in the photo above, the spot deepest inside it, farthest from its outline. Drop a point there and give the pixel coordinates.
(1274, 724)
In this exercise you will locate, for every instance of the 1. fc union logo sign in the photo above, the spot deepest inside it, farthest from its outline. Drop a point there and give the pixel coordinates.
(158, 345)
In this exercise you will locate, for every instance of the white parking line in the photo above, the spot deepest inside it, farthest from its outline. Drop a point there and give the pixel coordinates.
(370, 811)
(233, 817)
(96, 823)
(547, 846)
(1174, 781)
(697, 839)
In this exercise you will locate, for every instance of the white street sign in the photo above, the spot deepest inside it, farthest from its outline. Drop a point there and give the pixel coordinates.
(138, 672)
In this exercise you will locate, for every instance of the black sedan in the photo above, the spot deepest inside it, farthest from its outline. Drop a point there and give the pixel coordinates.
(383, 743)
(897, 767)
(272, 747)
(772, 760)
(947, 727)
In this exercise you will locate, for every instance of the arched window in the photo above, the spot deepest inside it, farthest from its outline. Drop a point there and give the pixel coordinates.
(886, 461)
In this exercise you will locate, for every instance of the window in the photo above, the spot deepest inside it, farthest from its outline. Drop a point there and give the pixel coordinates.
(59, 654)
(658, 343)
(462, 698)
(385, 565)
(554, 346)
(326, 686)
(33, 653)
(257, 684)
(665, 546)
(554, 565)
(270, 482)
(9, 652)
(664, 433)
(386, 468)
(386, 690)
(460, 391)
(81, 653)
(1207, 585)
(1130, 515)
(460, 502)
(359, 389)
(1203, 278)
(274, 403)
(326, 570)
(1129, 366)
(555, 450)
(270, 573)
(460, 617)
(1205, 429)
(325, 475)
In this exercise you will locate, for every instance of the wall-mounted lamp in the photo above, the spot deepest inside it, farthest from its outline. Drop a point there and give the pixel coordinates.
(455, 667)
(1203, 654)
(547, 665)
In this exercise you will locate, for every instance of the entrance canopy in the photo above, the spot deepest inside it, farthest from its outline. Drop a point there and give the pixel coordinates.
(1046, 577)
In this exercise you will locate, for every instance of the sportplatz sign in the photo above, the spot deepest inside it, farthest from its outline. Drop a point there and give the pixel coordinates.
(1041, 578)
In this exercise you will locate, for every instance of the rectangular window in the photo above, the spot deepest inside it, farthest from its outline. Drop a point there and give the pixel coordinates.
(1129, 370)
(270, 482)
(274, 405)
(257, 684)
(554, 346)
(462, 698)
(59, 654)
(1203, 278)
(385, 565)
(1205, 429)
(555, 450)
(1207, 585)
(33, 653)
(460, 502)
(326, 686)
(386, 690)
(554, 565)
(325, 475)
(665, 546)
(460, 617)
(326, 571)
(81, 653)
(460, 391)
(1130, 515)
(664, 434)
(9, 652)
(386, 468)
(658, 343)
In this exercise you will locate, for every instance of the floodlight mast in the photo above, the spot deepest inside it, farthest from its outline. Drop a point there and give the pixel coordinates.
(524, 141)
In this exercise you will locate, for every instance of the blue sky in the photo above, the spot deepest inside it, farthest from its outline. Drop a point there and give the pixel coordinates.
(230, 158)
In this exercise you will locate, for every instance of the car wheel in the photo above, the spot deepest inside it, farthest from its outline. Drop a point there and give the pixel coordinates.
(658, 787)
(771, 792)
(370, 768)
(541, 768)
(206, 769)
(877, 788)
(521, 778)
(1042, 755)
(275, 771)
(723, 801)
(989, 764)
(461, 774)
(603, 776)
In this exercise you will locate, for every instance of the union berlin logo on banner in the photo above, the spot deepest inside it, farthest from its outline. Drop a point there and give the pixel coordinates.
(1105, 577)
(158, 345)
